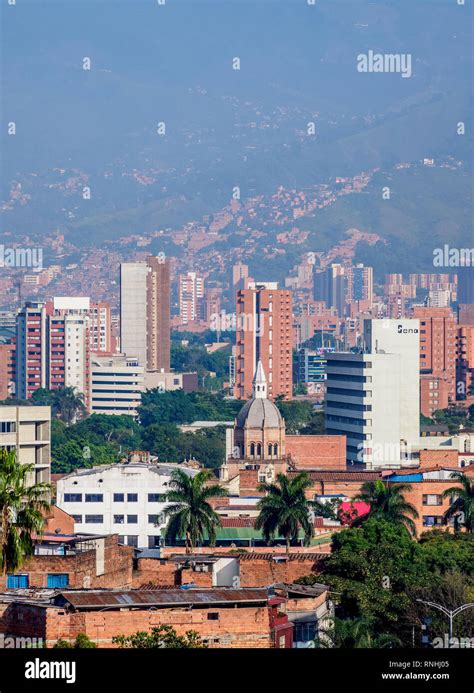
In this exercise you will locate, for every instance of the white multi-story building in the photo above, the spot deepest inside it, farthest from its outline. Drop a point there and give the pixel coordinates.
(191, 291)
(27, 430)
(133, 310)
(124, 499)
(373, 397)
(116, 385)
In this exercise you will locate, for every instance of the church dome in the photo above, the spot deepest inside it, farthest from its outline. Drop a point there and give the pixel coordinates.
(259, 412)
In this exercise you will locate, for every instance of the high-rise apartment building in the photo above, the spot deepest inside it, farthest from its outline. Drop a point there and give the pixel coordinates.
(145, 312)
(264, 333)
(360, 284)
(68, 355)
(465, 362)
(373, 396)
(52, 351)
(438, 344)
(31, 350)
(158, 315)
(338, 285)
(7, 366)
(465, 283)
(240, 272)
(98, 314)
(330, 287)
(191, 295)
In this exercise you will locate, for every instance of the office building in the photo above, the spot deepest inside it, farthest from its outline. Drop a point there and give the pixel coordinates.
(310, 366)
(373, 397)
(116, 385)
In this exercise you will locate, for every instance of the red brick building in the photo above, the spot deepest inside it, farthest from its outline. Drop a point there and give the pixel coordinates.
(77, 562)
(224, 618)
(438, 345)
(264, 332)
(7, 368)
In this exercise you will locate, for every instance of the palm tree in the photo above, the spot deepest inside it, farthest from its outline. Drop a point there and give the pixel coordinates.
(22, 508)
(68, 404)
(285, 509)
(462, 503)
(190, 514)
(387, 502)
(354, 634)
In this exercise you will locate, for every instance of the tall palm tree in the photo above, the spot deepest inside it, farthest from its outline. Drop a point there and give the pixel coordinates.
(387, 502)
(191, 514)
(68, 404)
(22, 509)
(284, 509)
(462, 504)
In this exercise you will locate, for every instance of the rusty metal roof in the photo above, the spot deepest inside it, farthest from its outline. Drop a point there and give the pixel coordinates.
(91, 599)
(297, 556)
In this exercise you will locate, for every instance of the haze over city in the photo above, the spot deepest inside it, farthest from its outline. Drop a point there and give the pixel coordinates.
(237, 330)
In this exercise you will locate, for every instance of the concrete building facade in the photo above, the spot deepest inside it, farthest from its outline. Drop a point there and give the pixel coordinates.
(124, 499)
(27, 430)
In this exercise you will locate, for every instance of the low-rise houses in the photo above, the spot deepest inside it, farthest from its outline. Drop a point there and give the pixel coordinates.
(222, 617)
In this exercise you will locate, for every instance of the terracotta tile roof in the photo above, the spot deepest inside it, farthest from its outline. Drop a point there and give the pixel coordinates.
(341, 476)
(237, 521)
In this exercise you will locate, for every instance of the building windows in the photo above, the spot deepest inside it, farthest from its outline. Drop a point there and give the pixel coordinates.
(156, 497)
(77, 519)
(119, 519)
(154, 519)
(132, 519)
(73, 497)
(432, 499)
(7, 427)
(94, 498)
(213, 616)
(94, 519)
(132, 497)
(154, 542)
(57, 580)
(132, 540)
(119, 497)
(17, 582)
(432, 520)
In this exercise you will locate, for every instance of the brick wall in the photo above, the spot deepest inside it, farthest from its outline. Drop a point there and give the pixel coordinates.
(441, 458)
(261, 572)
(317, 452)
(247, 626)
(81, 567)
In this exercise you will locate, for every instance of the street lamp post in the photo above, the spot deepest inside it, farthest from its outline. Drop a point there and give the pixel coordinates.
(450, 613)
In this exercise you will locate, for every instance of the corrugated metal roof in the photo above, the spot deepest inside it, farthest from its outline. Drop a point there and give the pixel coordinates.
(90, 599)
(299, 556)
